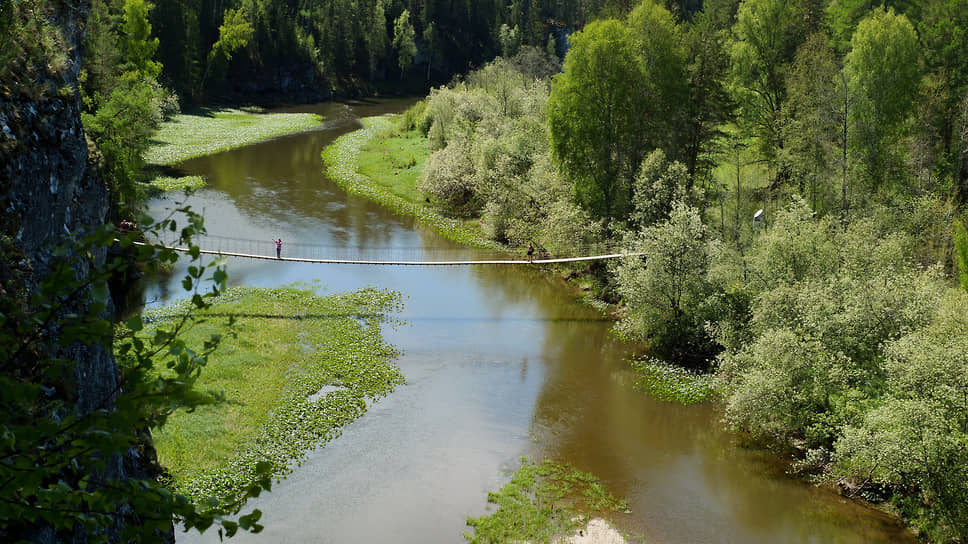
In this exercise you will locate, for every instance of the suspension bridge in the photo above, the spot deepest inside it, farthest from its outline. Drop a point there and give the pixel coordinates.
(389, 256)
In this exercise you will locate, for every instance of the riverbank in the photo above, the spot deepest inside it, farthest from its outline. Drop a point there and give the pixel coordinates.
(352, 162)
(295, 368)
(208, 131)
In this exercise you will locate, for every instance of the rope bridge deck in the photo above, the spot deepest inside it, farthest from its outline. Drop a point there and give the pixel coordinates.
(258, 245)
(407, 263)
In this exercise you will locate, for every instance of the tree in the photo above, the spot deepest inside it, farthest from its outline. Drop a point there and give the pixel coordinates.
(431, 41)
(767, 34)
(657, 187)
(102, 57)
(138, 46)
(510, 40)
(666, 290)
(810, 124)
(660, 50)
(782, 385)
(709, 105)
(403, 41)
(883, 72)
(600, 116)
(234, 33)
(942, 34)
(916, 438)
(122, 127)
(961, 253)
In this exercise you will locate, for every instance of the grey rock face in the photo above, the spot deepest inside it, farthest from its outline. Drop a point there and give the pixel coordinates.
(51, 192)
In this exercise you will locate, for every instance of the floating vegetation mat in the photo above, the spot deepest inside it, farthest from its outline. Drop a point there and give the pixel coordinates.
(673, 383)
(542, 503)
(188, 136)
(295, 370)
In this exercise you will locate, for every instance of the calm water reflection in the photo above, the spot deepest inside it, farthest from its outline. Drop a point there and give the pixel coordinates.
(500, 363)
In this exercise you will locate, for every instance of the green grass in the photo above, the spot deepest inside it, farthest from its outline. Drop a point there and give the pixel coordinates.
(395, 160)
(351, 161)
(542, 502)
(288, 344)
(194, 135)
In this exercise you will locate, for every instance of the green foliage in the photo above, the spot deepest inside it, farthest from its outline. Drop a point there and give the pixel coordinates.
(595, 117)
(961, 253)
(665, 292)
(416, 118)
(31, 47)
(403, 41)
(165, 184)
(510, 40)
(286, 345)
(708, 104)
(916, 437)
(491, 144)
(122, 128)
(883, 71)
(853, 353)
(60, 456)
(138, 46)
(658, 185)
(799, 246)
(767, 34)
(541, 503)
(123, 100)
(449, 180)
(812, 122)
(663, 59)
(234, 33)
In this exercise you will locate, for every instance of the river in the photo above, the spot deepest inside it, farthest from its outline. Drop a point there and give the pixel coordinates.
(500, 363)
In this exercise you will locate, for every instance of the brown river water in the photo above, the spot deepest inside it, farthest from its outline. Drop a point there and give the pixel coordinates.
(500, 363)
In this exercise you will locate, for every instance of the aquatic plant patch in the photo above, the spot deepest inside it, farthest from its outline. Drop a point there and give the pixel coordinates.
(188, 136)
(542, 502)
(166, 184)
(286, 345)
(672, 383)
(341, 161)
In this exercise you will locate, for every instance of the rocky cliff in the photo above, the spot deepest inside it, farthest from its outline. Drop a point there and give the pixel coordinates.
(50, 194)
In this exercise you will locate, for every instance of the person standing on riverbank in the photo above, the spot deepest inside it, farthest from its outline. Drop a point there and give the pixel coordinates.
(278, 248)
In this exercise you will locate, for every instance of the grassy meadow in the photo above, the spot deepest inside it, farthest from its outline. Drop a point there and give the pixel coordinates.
(382, 164)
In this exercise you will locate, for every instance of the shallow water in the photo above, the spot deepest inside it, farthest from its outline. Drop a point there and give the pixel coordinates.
(500, 363)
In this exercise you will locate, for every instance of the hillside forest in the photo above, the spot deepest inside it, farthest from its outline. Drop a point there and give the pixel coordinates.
(796, 173)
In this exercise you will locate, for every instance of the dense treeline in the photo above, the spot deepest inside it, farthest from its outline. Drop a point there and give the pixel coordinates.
(320, 46)
(143, 59)
(834, 317)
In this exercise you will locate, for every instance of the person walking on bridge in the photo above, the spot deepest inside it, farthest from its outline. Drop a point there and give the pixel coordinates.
(530, 252)
(278, 248)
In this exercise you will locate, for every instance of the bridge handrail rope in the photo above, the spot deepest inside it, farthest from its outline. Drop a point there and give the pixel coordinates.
(406, 263)
(222, 241)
